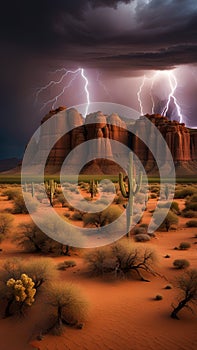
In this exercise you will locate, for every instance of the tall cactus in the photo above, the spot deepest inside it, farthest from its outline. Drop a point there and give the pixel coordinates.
(130, 191)
(32, 189)
(93, 188)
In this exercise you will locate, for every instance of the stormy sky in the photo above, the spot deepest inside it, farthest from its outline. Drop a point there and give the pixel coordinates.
(120, 45)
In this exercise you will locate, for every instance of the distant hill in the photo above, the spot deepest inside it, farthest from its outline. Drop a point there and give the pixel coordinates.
(10, 163)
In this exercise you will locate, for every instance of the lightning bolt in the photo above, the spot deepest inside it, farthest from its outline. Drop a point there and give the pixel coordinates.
(172, 81)
(139, 95)
(152, 79)
(173, 86)
(73, 75)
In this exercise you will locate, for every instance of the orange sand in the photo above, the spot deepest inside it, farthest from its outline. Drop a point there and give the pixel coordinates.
(123, 314)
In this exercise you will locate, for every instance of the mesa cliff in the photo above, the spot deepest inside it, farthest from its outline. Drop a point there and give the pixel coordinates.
(181, 141)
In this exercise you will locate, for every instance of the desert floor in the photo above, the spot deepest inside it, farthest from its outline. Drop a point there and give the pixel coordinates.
(123, 314)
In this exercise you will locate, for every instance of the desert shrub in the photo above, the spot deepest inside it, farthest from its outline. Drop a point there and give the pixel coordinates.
(59, 197)
(40, 270)
(193, 198)
(121, 259)
(20, 207)
(183, 193)
(191, 223)
(169, 220)
(158, 297)
(18, 294)
(100, 261)
(173, 206)
(181, 264)
(77, 215)
(139, 230)
(191, 205)
(153, 195)
(119, 199)
(67, 215)
(144, 225)
(32, 239)
(105, 217)
(155, 189)
(67, 304)
(187, 285)
(12, 193)
(184, 245)
(188, 213)
(66, 264)
(142, 237)
(6, 221)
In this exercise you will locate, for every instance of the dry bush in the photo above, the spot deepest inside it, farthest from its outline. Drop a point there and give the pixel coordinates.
(121, 259)
(67, 304)
(142, 237)
(11, 193)
(40, 271)
(191, 223)
(32, 239)
(102, 218)
(181, 264)
(185, 191)
(170, 219)
(6, 221)
(184, 245)
(187, 284)
(66, 264)
(188, 213)
(20, 206)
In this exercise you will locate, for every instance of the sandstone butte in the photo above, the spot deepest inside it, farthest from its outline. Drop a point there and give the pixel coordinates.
(181, 141)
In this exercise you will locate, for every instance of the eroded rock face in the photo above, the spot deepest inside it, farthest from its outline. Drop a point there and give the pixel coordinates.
(193, 144)
(181, 141)
(176, 135)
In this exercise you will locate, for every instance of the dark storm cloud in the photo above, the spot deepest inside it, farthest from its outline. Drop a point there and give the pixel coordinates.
(160, 33)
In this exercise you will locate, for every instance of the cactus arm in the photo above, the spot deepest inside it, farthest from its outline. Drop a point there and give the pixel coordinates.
(139, 184)
(122, 186)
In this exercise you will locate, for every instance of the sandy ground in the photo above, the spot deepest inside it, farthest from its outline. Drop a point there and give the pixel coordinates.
(123, 314)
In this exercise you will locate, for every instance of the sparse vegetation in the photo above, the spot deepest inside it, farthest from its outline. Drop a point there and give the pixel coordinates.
(12, 193)
(6, 221)
(66, 264)
(181, 264)
(191, 223)
(33, 239)
(158, 297)
(187, 284)
(184, 245)
(142, 237)
(67, 304)
(123, 259)
(170, 219)
(102, 218)
(19, 204)
(184, 192)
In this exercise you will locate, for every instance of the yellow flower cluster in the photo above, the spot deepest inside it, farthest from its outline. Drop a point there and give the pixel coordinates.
(23, 289)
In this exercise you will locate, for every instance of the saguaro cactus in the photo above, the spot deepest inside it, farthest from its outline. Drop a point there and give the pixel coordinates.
(50, 188)
(130, 191)
(32, 189)
(93, 188)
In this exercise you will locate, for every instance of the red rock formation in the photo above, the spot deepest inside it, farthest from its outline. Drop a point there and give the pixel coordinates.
(181, 141)
(193, 135)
